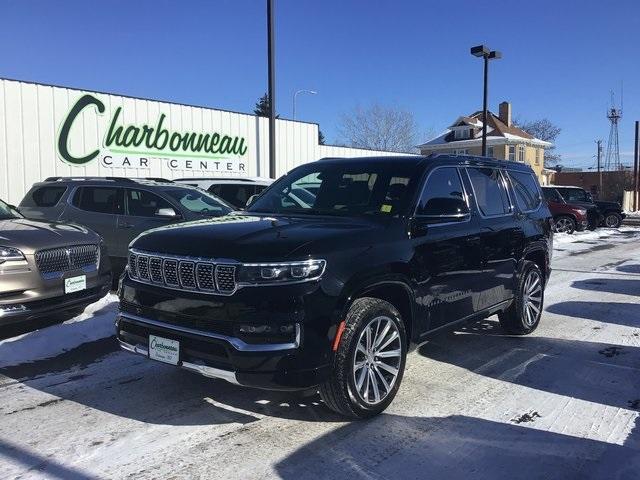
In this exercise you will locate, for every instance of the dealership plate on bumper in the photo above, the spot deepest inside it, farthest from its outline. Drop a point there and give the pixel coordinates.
(75, 284)
(164, 349)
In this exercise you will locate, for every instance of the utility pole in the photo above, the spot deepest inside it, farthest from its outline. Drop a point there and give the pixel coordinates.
(272, 85)
(599, 143)
(636, 168)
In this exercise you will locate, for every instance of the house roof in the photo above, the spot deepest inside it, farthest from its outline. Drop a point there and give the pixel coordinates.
(498, 132)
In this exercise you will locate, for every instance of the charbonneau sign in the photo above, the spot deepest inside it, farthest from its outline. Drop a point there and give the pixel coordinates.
(135, 145)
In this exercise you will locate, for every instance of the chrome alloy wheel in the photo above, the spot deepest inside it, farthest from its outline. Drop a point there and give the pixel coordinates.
(532, 298)
(563, 225)
(377, 360)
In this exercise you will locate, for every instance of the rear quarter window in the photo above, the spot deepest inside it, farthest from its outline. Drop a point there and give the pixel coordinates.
(44, 197)
(527, 192)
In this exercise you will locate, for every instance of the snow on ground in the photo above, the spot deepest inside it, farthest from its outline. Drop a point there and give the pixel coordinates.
(561, 403)
(97, 321)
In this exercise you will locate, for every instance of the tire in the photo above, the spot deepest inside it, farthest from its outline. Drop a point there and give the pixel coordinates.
(612, 220)
(521, 317)
(340, 392)
(565, 224)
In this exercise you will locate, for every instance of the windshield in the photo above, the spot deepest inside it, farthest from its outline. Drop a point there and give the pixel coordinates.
(6, 213)
(342, 188)
(199, 201)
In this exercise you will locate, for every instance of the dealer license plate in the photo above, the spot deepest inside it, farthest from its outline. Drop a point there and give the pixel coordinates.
(75, 284)
(164, 349)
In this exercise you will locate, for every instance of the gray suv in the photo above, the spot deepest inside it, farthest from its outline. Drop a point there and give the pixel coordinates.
(48, 267)
(119, 209)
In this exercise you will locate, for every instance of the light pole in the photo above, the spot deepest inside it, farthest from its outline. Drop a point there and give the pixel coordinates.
(295, 95)
(487, 54)
(272, 87)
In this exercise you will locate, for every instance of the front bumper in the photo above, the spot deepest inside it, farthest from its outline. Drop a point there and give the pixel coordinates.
(13, 313)
(205, 327)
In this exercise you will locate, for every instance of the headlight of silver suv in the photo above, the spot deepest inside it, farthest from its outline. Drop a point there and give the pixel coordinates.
(10, 254)
(280, 273)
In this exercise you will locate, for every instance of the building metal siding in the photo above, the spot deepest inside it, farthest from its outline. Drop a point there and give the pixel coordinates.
(31, 116)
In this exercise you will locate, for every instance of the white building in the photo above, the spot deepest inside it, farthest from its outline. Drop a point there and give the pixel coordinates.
(48, 131)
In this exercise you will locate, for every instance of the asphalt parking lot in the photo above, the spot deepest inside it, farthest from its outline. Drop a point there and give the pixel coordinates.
(561, 403)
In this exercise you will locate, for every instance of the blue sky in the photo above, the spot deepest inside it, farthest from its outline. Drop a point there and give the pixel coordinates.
(561, 58)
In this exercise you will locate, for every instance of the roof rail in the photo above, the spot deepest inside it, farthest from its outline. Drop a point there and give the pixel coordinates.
(109, 179)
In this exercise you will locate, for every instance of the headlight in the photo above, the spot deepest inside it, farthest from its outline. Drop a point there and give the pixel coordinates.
(10, 254)
(582, 211)
(278, 273)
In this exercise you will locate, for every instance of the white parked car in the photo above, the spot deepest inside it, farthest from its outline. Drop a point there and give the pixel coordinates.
(235, 191)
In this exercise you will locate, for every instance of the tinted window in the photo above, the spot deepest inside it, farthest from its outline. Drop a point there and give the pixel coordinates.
(141, 203)
(44, 197)
(98, 199)
(198, 201)
(489, 191)
(233, 193)
(343, 188)
(443, 194)
(573, 194)
(526, 190)
(551, 195)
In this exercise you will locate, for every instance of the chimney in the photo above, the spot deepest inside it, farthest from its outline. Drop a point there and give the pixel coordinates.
(504, 113)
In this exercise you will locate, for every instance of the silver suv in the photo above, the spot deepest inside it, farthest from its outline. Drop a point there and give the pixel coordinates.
(119, 208)
(48, 267)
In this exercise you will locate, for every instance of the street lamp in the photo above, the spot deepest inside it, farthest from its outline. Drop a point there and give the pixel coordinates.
(487, 54)
(295, 95)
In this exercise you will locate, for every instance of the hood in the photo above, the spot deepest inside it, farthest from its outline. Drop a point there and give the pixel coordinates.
(250, 238)
(30, 236)
(602, 204)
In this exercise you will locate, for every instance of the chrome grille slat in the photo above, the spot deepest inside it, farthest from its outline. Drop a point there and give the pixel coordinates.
(226, 278)
(181, 273)
(56, 261)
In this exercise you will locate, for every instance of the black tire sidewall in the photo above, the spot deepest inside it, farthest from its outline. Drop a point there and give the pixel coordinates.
(573, 223)
(617, 217)
(527, 268)
(361, 408)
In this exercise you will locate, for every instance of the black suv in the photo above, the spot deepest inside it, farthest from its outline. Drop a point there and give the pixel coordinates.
(333, 295)
(119, 209)
(610, 214)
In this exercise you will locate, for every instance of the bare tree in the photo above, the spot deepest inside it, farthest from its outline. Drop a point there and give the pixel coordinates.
(380, 128)
(545, 130)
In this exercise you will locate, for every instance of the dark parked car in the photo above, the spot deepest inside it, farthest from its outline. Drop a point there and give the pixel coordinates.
(119, 209)
(567, 218)
(611, 214)
(333, 295)
(48, 267)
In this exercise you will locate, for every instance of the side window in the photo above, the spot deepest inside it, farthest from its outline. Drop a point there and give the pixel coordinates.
(98, 199)
(443, 195)
(489, 191)
(236, 194)
(141, 203)
(551, 195)
(526, 189)
(573, 195)
(44, 197)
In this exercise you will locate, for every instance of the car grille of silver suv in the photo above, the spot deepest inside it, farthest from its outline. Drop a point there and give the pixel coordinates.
(54, 262)
(182, 273)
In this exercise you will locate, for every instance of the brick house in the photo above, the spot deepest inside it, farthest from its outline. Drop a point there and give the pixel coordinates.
(505, 141)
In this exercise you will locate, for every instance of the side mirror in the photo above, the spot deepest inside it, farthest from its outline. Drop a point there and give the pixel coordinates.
(166, 212)
(251, 199)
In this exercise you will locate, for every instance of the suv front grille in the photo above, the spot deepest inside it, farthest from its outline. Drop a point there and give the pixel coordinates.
(56, 261)
(183, 273)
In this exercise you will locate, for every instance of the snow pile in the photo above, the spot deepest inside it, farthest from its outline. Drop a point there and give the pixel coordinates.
(96, 322)
(599, 234)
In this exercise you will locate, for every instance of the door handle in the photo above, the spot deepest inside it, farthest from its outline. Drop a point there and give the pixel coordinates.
(125, 225)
